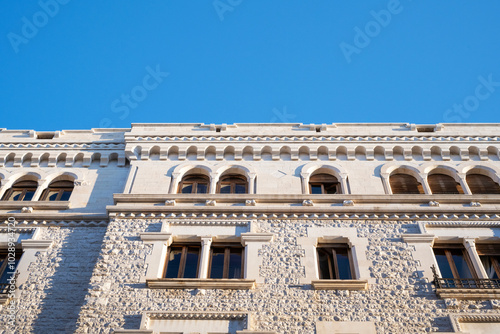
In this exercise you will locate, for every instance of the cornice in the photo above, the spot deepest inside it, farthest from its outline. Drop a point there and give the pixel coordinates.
(255, 214)
(329, 139)
(62, 145)
(57, 223)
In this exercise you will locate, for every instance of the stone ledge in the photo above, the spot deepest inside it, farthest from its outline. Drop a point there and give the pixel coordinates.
(340, 284)
(469, 293)
(37, 205)
(4, 299)
(133, 331)
(200, 283)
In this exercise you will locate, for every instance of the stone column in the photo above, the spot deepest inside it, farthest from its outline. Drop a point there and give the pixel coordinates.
(470, 246)
(205, 256)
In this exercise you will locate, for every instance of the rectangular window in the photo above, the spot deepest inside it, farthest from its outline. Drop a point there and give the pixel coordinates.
(490, 258)
(8, 268)
(455, 267)
(226, 262)
(182, 261)
(334, 262)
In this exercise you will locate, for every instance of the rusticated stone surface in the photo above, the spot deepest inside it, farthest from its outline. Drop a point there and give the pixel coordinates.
(73, 288)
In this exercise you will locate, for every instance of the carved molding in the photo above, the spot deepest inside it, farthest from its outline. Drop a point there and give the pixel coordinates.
(456, 319)
(60, 223)
(474, 294)
(340, 284)
(201, 283)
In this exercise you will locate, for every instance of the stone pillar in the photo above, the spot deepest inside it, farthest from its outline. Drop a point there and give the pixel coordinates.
(470, 246)
(205, 256)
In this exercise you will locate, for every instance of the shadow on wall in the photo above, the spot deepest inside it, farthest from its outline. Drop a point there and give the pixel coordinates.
(65, 294)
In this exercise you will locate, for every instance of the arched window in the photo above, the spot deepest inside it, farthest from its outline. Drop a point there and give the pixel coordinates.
(405, 184)
(21, 191)
(58, 191)
(482, 184)
(324, 184)
(444, 184)
(194, 184)
(233, 184)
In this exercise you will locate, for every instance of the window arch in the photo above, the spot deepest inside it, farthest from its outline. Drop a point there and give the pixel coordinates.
(23, 190)
(443, 184)
(232, 184)
(194, 184)
(482, 184)
(59, 190)
(323, 183)
(405, 184)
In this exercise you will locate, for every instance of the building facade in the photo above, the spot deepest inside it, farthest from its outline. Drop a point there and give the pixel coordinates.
(251, 228)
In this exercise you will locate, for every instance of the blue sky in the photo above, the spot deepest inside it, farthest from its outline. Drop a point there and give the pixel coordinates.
(74, 64)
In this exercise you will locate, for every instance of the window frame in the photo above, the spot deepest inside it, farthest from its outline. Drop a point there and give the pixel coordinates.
(433, 183)
(334, 268)
(24, 189)
(194, 189)
(420, 186)
(451, 262)
(313, 182)
(227, 255)
(232, 184)
(60, 191)
(182, 261)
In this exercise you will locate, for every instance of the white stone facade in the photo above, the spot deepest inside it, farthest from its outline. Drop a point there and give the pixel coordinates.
(97, 262)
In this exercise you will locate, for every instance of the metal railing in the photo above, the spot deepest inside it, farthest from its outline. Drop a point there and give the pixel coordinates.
(464, 283)
(4, 288)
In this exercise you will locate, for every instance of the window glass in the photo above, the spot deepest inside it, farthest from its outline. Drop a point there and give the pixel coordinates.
(174, 261)
(187, 188)
(225, 189)
(324, 264)
(444, 265)
(460, 263)
(66, 194)
(240, 189)
(316, 189)
(191, 268)
(217, 269)
(235, 262)
(202, 188)
(489, 266)
(343, 264)
(6, 268)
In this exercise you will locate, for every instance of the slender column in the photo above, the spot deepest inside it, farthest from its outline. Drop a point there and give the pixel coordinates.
(463, 183)
(425, 184)
(305, 182)
(470, 246)
(251, 183)
(205, 256)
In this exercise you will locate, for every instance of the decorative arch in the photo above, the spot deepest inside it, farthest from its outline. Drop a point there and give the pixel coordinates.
(242, 169)
(390, 169)
(190, 168)
(335, 170)
(484, 170)
(19, 177)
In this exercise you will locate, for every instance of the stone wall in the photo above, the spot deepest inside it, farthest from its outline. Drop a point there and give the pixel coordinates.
(51, 298)
(398, 301)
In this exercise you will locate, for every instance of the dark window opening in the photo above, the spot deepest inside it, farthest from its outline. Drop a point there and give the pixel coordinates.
(324, 184)
(482, 184)
(226, 262)
(58, 191)
(444, 184)
(405, 184)
(334, 262)
(182, 261)
(196, 184)
(233, 184)
(21, 191)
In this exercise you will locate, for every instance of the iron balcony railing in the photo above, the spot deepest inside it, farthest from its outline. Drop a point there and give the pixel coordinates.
(464, 283)
(4, 288)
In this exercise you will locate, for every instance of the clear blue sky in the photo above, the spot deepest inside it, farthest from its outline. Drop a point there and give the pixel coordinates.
(75, 64)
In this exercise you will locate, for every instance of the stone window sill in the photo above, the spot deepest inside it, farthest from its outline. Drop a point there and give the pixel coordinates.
(340, 284)
(36, 205)
(468, 293)
(199, 283)
(4, 299)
